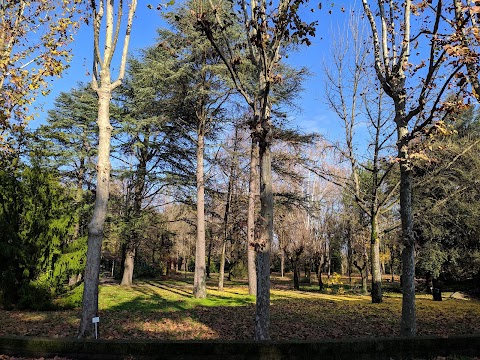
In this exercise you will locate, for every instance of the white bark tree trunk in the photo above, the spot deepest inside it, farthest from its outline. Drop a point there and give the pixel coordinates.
(102, 84)
(95, 227)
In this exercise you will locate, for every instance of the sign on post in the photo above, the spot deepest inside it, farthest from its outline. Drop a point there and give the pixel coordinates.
(96, 320)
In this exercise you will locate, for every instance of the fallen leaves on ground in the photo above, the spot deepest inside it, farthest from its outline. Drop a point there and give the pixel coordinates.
(166, 311)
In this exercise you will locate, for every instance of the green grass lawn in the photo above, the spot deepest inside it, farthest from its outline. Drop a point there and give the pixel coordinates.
(166, 309)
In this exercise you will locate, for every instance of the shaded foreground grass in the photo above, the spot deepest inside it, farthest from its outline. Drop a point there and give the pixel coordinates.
(166, 310)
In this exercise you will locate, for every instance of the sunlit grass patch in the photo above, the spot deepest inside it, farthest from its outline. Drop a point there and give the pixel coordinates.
(166, 309)
(166, 296)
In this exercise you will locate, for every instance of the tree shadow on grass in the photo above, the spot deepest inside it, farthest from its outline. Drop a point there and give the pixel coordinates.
(171, 288)
(152, 312)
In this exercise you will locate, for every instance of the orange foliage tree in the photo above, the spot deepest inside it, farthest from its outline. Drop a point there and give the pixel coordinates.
(34, 39)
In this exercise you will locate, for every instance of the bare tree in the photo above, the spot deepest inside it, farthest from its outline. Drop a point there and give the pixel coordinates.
(417, 92)
(102, 83)
(353, 97)
(233, 171)
(268, 28)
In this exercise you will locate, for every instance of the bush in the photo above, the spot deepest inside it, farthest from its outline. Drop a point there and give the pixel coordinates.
(239, 270)
(144, 270)
(213, 266)
(71, 300)
(35, 295)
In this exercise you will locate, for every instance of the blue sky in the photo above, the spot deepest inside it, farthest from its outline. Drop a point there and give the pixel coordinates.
(314, 114)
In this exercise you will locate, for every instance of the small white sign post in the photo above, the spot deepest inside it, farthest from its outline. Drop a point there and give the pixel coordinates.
(95, 321)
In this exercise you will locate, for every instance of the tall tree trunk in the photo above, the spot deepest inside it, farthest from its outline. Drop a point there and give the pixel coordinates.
(296, 274)
(209, 256)
(363, 275)
(102, 84)
(95, 227)
(308, 272)
(282, 263)
(228, 204)
(320, 281)
(262, 309)
(408, 326)
(221, 276)
(428, 283)
(349, 255)
(392, 262)
(375, 259)
(252, 192)
(133, 240)
(365, 281)
(78, 199)
(319, 268)
(200, 283)
(78, 214)
(129, 264)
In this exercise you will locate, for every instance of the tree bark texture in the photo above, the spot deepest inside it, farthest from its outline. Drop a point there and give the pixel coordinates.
(95, 227)
(262, 310)
(282, 263)
(209, 256)
(133, 242)
(296, 274)
(319, 278)
(252, 192)
(375, 261)
(127, 278)
(221, 275)
(102, 84)
(199, 283)
(408, 325)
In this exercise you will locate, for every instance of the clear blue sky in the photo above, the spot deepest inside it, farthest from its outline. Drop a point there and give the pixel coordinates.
(314, 114)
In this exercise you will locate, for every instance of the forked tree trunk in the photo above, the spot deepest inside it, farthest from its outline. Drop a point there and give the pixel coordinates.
(102, 83)
(252, 192)
(375, 260)
(95, 227)
(363, 270)
(200, 281)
